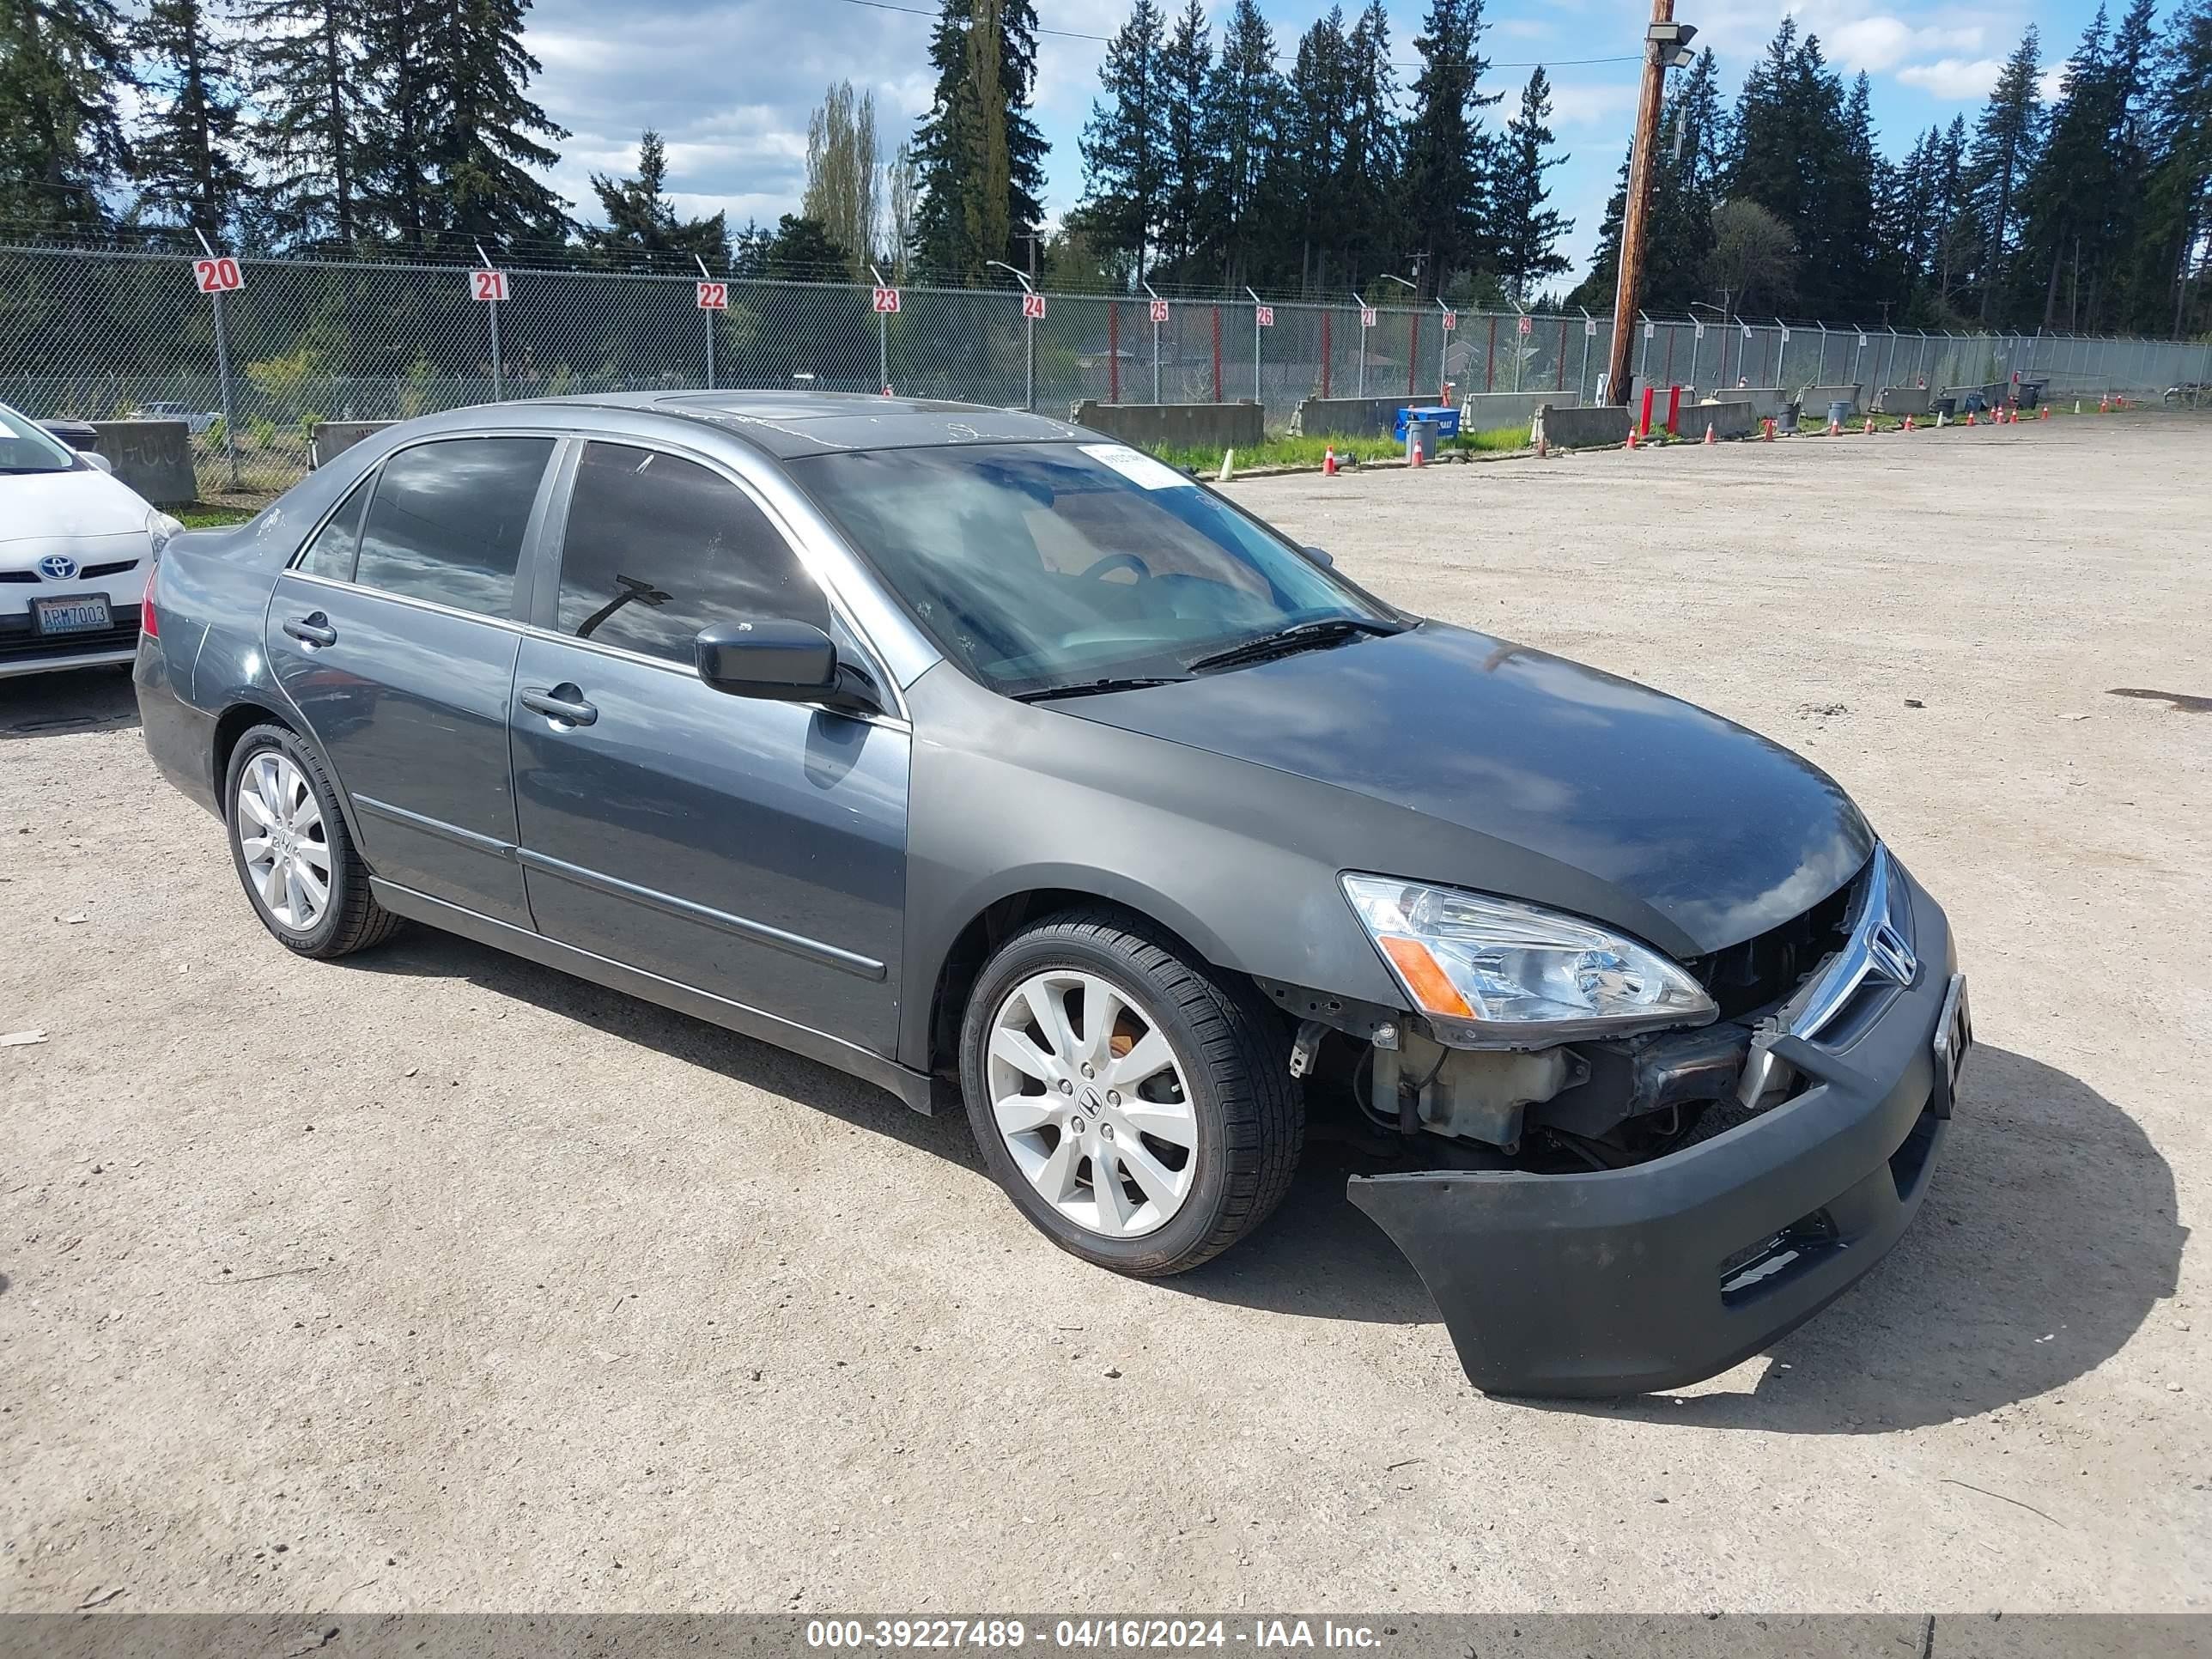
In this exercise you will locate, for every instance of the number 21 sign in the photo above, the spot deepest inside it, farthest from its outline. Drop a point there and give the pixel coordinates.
(488, 285)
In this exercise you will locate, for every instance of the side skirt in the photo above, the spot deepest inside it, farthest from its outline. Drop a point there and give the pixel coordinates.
(910, 1086)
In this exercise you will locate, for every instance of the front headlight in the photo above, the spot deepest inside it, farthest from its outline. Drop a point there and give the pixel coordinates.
(160, 528)
(1490, 973)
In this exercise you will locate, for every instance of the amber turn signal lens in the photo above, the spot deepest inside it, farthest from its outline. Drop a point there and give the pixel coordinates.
(1431, 986)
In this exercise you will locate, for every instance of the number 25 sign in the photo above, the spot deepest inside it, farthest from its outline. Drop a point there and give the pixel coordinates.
(217, 275)
(488, 285)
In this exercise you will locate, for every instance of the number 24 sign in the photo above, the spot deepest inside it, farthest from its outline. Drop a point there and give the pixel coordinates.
(488, 285)
(217, 275)
(1033, 306)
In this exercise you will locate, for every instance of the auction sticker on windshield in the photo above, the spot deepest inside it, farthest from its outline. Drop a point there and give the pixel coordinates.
(1139, 468)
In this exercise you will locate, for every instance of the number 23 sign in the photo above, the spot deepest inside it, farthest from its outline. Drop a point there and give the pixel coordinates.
(488, 285)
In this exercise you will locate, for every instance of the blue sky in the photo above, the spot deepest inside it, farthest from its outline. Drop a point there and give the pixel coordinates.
(730, 82)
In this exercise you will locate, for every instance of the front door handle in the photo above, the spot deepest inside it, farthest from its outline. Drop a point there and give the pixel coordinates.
(564, 702)
(313, 630)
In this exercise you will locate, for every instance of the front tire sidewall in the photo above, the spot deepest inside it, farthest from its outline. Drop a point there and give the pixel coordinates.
(1168, 1248)
(263, 740)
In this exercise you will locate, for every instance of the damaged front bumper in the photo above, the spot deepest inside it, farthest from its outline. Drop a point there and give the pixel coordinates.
(1660, 1275)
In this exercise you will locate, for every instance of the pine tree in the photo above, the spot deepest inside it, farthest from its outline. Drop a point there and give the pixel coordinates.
(314, 100)
(1793, 155)
(1308, 183)
(2005, 143)
(1125, 141)
(1243, 116)
(1525, 233)
(1367, 181)
(642, 224)
(2178, 206)
(61, 141)
(1187, 174)
(188, 164)
(978, 157)
(1689, 161)
(1442, 193)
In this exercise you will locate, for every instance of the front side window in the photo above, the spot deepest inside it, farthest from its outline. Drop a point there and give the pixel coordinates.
(659, 548)
(447, 520)
(1044, 566)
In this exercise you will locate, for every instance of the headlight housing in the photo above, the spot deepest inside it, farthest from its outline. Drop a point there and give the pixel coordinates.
(1493, 973)
(161, 528)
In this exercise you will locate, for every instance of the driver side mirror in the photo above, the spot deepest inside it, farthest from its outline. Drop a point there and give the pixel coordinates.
(782, 662)
(1320, 556)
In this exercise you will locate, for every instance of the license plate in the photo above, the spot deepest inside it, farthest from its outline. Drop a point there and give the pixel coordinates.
(83, 613)
(1955, 1035)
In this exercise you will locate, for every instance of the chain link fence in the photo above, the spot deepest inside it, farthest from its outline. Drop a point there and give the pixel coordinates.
(107, 334)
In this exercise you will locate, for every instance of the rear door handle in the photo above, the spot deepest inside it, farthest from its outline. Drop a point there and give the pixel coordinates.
(311, 629)
(563, 702)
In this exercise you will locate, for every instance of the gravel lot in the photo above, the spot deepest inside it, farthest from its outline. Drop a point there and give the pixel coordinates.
(434, 1279)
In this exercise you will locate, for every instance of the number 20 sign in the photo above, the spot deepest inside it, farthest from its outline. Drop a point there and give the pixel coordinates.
(217, 275)
(488, 285)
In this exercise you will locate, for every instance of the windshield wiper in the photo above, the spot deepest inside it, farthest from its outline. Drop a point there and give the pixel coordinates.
(1298, 636)
(1093, 688)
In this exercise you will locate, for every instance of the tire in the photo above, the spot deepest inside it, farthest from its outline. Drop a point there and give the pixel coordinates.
(1225, 1087)
(348, 918)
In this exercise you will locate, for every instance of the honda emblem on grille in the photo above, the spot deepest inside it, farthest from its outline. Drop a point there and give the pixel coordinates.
(1890, 955)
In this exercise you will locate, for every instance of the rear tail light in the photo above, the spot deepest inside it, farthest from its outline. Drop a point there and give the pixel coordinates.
(148, 624)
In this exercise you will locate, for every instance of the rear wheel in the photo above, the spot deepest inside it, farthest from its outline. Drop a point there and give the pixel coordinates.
(289, 845)
(1134, 1106)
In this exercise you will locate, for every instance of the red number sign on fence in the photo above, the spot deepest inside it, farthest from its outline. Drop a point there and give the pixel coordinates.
(1367, 316)
(886, 300)
(1033, 306)
(488, 285)
(218, 276)
(1264, 315)
(1528, 325)
(1159, 311)
(714, 296)
(1451, 321)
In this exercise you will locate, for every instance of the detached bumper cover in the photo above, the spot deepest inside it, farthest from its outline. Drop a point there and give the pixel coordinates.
(1629, 1280)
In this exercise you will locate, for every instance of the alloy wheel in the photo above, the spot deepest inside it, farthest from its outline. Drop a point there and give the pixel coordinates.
(1092, 1103)
(281, 837)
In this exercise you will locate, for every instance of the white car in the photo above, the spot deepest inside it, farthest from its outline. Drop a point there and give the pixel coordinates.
(76, 547)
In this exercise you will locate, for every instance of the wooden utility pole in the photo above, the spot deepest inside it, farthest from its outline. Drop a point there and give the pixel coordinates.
(1636, 212)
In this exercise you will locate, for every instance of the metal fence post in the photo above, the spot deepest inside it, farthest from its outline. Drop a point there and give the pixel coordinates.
(222, 374)
(1256, 308)
(1589, 337)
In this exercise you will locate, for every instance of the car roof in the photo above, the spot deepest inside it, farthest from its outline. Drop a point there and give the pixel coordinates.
(790, 424)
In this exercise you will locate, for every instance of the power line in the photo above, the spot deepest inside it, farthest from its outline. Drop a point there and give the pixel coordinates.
(1103, 41)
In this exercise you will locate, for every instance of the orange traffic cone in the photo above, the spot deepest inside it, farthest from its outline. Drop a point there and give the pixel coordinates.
(1970, 417)
(1869, 426)
(1766, 432)
(1328, 462)
(1709, 437)
(2044, 414)
(1631, 444)
(1414, 458)
(2104, 406)
(1908, 423)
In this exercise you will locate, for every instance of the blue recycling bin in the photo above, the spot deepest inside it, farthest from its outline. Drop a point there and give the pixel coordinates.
(1442, 416)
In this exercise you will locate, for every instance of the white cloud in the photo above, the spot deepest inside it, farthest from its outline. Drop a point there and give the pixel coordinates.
(1584, 103)
(1880, 43)
(1955, 78)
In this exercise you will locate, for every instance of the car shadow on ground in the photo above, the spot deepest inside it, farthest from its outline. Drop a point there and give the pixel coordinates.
(68, 701)
(2048, 1236)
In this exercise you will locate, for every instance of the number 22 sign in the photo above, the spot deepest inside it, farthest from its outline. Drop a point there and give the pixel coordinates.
(488, 285)
(714, 296)
(217, 275)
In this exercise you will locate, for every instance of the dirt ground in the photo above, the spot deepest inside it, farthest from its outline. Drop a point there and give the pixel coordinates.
(434, 1279)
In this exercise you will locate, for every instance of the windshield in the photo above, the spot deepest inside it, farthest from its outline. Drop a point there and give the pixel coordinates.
(1042, 566)
(26, 446)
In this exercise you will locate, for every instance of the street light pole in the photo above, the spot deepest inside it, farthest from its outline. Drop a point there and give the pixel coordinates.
(1028, 325)
(1666, 43)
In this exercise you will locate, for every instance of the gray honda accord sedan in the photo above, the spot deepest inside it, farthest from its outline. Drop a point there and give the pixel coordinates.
(968, 750)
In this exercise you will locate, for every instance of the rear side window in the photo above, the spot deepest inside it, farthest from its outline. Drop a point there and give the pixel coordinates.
(658, 547)
(447, 519)
(331, 553)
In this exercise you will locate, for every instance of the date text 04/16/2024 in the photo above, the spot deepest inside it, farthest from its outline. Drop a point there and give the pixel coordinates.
(1165, 1635)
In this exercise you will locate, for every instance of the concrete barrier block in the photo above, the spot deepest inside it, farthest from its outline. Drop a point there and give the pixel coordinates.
(1914, 400)
(1486, 411)
(1734, 415)
(1348, 417)
(1813, 400)
(1569, 426)
(329, 438)
(1178, 426)
(155, 458)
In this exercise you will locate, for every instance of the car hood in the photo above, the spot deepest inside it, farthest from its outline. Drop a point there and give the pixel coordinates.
(1721, 831)
(41, 507)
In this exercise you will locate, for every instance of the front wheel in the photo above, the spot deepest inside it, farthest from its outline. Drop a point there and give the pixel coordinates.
(1135, 1108)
